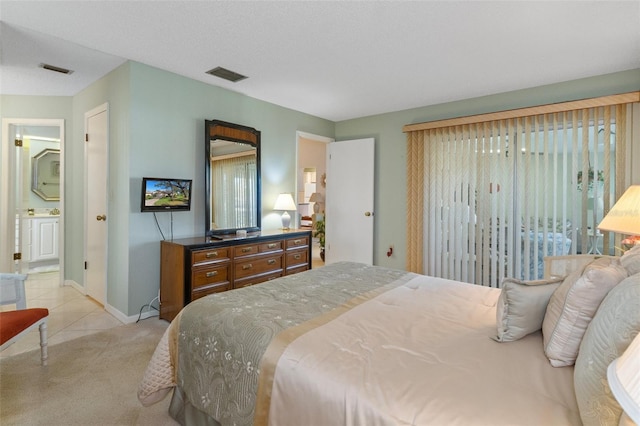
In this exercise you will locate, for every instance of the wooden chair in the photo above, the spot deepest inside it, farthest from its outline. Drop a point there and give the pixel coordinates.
(16, 324)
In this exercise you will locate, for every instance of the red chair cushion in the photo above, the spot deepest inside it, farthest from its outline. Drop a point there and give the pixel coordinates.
(14, 322)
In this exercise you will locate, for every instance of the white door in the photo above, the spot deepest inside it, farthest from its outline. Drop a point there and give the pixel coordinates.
(349, 201)
(96, 148)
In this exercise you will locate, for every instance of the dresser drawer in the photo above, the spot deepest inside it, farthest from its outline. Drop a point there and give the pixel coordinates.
(251, 249)
(297, 242)
(216, 288)
(209, 255)
(258, 265)
(245, 250)
(270, 246)
(245, 282)
(194, 267)
(298, 268)
(213, 274)
(297, 257)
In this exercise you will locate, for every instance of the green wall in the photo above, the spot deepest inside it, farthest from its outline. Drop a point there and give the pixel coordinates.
(113, 89)
(43, 107)
(167, 140)
(156, 126)
(13, 106)
(391, 161)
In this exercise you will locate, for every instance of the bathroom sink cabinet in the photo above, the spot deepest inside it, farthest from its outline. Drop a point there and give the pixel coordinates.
(42, 234)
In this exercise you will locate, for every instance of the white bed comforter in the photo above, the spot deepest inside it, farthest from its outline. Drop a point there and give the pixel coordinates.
(419, 354)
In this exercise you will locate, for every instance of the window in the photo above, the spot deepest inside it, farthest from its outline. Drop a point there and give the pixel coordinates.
(233, 180)
(498, 194)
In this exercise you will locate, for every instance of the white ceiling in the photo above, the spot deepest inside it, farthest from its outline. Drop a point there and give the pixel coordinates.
(336, 60)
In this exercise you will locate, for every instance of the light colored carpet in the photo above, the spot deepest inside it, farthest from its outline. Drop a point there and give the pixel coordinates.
(92, 380)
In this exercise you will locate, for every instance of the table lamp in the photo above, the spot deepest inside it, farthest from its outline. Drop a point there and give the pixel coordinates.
(623, 375)
(624, 216)
(317, 199)
(285, 203)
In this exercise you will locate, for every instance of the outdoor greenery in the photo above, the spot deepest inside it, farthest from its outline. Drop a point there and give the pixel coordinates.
(591, 176)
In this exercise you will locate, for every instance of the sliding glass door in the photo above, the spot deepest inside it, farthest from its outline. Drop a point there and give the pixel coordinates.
(501, 195)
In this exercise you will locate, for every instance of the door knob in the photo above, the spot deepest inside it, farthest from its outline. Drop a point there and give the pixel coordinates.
(101, 217)
(368, 214)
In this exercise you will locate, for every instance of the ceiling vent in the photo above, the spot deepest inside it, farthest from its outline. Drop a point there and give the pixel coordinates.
(56, 69)
(226, 74)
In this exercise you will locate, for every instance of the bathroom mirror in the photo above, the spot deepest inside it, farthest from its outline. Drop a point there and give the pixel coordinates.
(45, 174)
(232, 178)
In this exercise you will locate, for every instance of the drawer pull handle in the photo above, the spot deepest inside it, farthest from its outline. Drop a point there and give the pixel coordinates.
(245, 267)
(272, 245)
(297, 241)
(212, 274)
(271, 261)
(246, 249)
(297, 256)
(211, 254)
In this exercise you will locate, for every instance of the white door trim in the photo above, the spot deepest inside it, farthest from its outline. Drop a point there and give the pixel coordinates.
(7, 201)
(310, 136)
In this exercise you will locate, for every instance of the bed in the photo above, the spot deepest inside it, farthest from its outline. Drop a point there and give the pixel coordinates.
(355, 344)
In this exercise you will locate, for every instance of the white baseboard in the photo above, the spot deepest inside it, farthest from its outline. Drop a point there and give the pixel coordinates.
(130, 319)
(75, 285)
(150, 312)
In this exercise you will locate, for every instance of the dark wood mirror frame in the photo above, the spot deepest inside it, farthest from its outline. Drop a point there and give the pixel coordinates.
(230, 132)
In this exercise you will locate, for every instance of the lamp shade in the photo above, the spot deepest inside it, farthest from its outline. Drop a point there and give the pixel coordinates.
(316, 197)
(624, 216)
(623, 375)
(285, 202)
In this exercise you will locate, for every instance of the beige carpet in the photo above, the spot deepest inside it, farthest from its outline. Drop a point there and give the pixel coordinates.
(92, 380)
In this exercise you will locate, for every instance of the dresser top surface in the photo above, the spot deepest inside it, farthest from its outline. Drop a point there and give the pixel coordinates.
(232, 239)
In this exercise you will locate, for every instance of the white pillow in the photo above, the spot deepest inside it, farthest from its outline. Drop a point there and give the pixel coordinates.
(631, 260)
(521, 307)
(612, 329)
(572, 307)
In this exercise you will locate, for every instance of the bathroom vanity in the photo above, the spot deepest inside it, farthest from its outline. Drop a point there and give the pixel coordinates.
(41, 238)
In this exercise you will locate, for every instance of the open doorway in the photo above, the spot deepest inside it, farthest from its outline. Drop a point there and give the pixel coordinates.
(31, 212)
(311, 188)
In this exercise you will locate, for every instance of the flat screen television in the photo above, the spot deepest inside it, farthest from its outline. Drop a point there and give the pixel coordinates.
(165, 195)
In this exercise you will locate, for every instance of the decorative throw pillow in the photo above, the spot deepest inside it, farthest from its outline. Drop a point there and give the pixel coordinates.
(572, 307)
(521, 307)
(611, 331)
(631, 260)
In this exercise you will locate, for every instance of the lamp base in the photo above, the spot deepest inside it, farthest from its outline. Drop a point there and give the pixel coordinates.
(286, 221)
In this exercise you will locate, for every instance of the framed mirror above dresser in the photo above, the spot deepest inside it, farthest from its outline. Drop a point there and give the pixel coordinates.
(224, 259)
(232, 176)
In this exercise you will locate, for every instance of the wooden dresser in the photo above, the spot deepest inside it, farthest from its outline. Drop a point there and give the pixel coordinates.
(191, 268)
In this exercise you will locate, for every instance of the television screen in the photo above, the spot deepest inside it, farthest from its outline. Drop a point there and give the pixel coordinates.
(160, 195)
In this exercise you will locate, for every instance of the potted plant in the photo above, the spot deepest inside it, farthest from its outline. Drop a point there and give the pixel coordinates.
(592, 177)
(320, 236)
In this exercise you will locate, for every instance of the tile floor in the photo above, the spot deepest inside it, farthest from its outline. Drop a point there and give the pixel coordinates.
(71, 314)
(316, 261)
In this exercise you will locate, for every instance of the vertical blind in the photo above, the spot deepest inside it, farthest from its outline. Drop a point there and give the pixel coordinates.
(490, 199)
(233, 180)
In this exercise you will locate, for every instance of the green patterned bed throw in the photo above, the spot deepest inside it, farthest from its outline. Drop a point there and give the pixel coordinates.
(223, 336)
